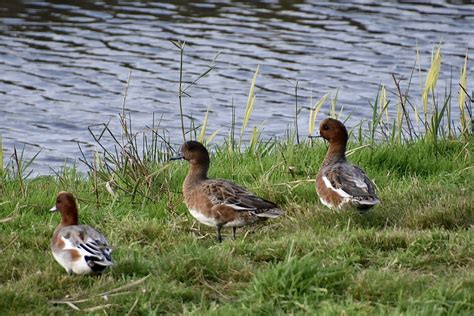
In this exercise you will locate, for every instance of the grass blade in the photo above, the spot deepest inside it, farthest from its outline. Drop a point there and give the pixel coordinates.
(1, 156)
(432, 77)
(212, 136)
(313, 113)
(383, 102)
(462, 97)
(333, 105)
(202, 133)
(250, 103)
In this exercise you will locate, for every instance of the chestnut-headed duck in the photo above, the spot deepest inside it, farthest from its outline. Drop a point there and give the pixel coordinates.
(79, 249)
(338, 182)
(219, 203)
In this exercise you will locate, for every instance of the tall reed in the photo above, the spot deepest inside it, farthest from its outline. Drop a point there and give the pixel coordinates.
(434, 113)
(462, 99)
(249, 106)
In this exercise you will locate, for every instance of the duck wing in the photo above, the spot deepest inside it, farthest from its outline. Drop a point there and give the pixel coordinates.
(239, 198)
(91, 244)
(350, 182)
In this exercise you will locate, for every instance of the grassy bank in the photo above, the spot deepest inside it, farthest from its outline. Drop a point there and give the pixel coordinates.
(412, 254)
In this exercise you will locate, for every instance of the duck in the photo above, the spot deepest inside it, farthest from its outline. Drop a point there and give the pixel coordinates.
(339, 183)
(216, 202)
(79, 249)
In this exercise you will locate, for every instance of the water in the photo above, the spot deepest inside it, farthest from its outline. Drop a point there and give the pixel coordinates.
(64, 64)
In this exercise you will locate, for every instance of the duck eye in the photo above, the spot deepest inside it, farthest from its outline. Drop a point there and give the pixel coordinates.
(325, 127)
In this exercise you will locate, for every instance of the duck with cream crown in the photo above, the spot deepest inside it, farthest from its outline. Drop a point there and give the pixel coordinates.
(79, 249)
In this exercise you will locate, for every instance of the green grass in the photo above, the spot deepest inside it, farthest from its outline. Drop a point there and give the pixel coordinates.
(412, 255)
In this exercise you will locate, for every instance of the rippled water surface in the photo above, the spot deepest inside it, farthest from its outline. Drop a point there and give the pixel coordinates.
(64, 64)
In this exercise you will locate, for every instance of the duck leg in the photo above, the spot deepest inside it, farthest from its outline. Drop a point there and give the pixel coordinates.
(234, 229)
(219, 236)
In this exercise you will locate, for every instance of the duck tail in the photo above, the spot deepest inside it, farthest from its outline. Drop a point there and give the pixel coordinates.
(367, 203)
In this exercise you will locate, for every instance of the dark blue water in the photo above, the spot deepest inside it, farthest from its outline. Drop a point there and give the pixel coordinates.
(64, 64)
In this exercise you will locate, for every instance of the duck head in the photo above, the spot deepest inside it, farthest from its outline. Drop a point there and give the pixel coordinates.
(333, 131)
(194, 152)
(66, 205)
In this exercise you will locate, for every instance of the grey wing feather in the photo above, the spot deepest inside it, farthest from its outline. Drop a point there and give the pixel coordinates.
(90, 241)
(79, 234)
(352, 180)
(239, 198)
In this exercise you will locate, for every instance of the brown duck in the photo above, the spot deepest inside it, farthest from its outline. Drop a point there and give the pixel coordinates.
(219, 203)
(338, 182)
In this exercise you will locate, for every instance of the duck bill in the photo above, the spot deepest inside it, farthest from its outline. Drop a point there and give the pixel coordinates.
(53, 209)
(177, 157)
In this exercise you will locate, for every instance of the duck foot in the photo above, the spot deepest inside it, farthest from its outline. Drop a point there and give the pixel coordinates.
(219, 236)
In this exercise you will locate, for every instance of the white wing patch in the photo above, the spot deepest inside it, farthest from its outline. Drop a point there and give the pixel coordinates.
(239, 208)
(67, 243)
(346, 197)
(63, 257)
(86, 248)
(341, 192)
